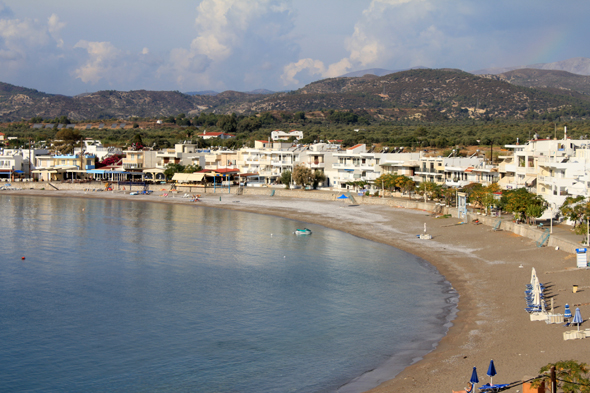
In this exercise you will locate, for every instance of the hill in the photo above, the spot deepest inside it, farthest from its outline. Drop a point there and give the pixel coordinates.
(422, 94)
(576, 65)
(530, 77)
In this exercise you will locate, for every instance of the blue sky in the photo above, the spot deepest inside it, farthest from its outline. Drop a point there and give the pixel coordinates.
(72, 46)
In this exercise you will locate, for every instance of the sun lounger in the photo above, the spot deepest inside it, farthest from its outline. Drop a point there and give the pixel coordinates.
(493, 388)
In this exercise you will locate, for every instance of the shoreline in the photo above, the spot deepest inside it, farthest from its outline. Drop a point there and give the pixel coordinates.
(482, 266)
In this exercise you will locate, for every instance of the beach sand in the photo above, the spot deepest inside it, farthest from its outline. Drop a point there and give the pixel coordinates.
(483, 266)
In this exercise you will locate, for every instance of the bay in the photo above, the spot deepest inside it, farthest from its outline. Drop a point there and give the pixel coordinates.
(129, 296)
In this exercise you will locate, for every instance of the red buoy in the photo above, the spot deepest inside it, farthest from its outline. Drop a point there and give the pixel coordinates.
(23, 258)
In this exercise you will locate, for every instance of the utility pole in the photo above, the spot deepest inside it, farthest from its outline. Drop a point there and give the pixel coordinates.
(30, 159)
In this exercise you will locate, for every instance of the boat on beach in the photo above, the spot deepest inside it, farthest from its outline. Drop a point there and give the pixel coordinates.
(303, 231)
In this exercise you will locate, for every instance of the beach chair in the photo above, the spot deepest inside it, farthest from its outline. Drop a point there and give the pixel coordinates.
(493, 388)
(497, 226)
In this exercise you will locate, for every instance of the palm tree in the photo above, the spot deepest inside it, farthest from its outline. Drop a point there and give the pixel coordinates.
(571, 376)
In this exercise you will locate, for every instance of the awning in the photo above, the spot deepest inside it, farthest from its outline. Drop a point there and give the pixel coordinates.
(530, 181)
(18, 171)
(188, 177)
(44, 171)
(470, 169)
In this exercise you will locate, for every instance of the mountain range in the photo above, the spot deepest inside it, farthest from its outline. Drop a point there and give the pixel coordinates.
(420, 93)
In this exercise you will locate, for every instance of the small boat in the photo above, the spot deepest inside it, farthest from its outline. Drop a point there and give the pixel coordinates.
(303, 231)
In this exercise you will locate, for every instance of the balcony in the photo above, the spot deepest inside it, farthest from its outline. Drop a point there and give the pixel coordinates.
(281, 163)
(345, 166)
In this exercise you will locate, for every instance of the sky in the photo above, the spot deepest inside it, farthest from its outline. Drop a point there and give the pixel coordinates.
(71, 46)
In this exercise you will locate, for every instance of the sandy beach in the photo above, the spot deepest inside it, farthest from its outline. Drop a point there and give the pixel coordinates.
(488, 269)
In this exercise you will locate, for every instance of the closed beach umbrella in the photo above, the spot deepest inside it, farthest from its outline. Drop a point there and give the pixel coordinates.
(536, 297)
(578, 318)
(533, 276)
(474, 380)
(567, 313)
(491, 371)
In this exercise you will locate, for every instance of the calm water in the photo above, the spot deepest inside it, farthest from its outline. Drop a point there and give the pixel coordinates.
(128, 297)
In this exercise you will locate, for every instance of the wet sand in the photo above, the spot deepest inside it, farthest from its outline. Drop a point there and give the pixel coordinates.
(483, 266)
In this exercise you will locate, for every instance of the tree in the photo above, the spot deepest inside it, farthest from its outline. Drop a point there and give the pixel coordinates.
(317, 178)
(430, 189)
(227, 123)
(405, 184)
(387, 181)
(286, 179)
(248, 124)
(571, 376)
(171, 169)
(191, 168)
(573, 209)
(299, 116)
(67, 138)
(68, 135)
(518, 201)
(137, 140)
(302, 175)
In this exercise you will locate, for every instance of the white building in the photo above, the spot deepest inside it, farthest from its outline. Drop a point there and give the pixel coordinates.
(282, 135)
(183, 154)
(553, 169)
(354, 164)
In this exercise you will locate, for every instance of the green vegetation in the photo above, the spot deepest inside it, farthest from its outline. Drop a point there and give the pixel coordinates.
(411, 135)
(571, 376)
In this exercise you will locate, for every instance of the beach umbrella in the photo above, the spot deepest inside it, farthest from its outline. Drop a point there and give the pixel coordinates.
(578, 318)
(533, 276)
(491, 371)
(474, 378)
(536, 297)
(567, 313)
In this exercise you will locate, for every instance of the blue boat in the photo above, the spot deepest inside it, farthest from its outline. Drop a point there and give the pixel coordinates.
(303, 231)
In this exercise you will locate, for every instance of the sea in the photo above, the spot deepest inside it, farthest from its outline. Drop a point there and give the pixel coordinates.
(104, 295)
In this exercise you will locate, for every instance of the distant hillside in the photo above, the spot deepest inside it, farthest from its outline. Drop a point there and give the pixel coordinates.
(576, 65)
(372, 71)
(23, 104)
(214, 93)
(529, 77)
(376, 72)
(202, 93)
(423, 94)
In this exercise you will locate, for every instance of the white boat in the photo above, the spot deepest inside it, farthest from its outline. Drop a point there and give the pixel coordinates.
(303, 231)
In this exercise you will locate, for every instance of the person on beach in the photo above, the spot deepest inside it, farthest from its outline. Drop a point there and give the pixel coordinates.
(468, 389)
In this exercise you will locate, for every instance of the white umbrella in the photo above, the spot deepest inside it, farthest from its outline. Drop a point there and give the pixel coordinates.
(536, 297)
(533, 277)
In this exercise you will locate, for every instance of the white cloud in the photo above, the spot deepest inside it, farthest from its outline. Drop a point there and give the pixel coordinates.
(390, 32)
(24, 42)
(313, 67)
(54, 28)
(103, 59)
(232, 33)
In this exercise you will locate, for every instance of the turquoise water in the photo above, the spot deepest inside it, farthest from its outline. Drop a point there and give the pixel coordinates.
(129, 296)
